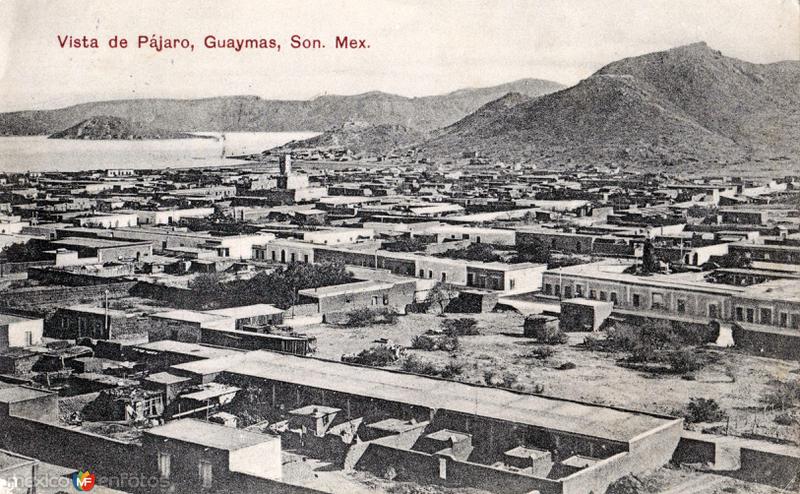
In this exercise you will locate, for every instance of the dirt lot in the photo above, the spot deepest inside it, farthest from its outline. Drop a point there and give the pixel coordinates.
(736, 380)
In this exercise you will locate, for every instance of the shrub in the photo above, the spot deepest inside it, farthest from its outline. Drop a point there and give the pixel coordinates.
(549, 335)
(376, 356)
(367, 317)
(567, 366)
(787, 418)
(542, 352)
(684, 361)
(431, 343)
(465, 326)
(449, 344)
(783, 395)
(703, 410)
(424, 342)
(417, 365)
(452, 369)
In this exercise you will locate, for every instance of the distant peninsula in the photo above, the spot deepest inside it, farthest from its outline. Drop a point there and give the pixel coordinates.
(117, 128)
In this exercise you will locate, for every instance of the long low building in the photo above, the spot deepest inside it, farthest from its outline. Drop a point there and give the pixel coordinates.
(494, 422)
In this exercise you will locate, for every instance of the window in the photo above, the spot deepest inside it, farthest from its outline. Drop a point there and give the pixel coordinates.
(430, 274)
(765, 315)
(548, 289)
(273, 255)
(603, 295)
(470, 279)
(614, 298)
(305, 258)
(28, 338)
(512, 283)
(385, 299)
(592, 294)
(795, 319)
(750, 315)
(557, 290)
(658, 301)
(205, 474)
(375, 300)
(739, 314)
(784, 320)
(293, 257)
(713, 311)
(681, 306)
(637, 300)
(421, 273)
(578, 290)
(567, 292)
(164, 464)
(444, 277)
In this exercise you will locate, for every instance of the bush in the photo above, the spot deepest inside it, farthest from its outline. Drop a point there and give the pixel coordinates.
(684, 361)
(377, 356)
(431, 343)
(787, 418)
(542, 352)
(417, 365)
(452, 369)
(567, 366)
(783, 395)
(367, 317)
(703, 410)
(424, 342)
(465, 326)
(549, 335)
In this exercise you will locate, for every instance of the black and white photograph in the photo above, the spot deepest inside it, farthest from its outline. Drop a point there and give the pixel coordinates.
(400, 247)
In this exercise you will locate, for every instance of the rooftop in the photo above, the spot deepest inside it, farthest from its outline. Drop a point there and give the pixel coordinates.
(247, 311)
(569, 416)
(20, 393)
(6, 319)
(202, 351)
(209, 435)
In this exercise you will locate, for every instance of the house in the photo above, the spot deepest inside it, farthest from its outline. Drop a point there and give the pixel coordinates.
(16, 331)
(251, 315)
(88, 321)
(362, 294)
(203, 455)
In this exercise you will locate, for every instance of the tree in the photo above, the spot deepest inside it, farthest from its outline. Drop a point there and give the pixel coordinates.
(650, 262)
(406, 244)
(474, 252)
(440, 295)
(533, 250)
(23, 252)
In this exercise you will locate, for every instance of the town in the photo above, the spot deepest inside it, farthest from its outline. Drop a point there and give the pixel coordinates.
(317, 320)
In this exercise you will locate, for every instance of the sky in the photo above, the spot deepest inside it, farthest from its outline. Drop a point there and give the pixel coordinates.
(416, 48)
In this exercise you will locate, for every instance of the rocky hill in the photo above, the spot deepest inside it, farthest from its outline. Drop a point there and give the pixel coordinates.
(687, 105)
(105, 127)
(251, 113)
(362, 139)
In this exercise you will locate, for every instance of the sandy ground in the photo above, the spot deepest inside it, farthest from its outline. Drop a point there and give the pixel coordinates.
(736, 380)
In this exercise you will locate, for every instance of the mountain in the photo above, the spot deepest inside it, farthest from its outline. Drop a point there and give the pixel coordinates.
(364, 139)
(251, 113)
(105, 127)
(684, 105)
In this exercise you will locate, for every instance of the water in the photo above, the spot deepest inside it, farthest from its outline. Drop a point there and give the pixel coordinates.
(38, 153)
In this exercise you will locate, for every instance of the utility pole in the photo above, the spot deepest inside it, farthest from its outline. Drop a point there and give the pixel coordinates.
(105, 297)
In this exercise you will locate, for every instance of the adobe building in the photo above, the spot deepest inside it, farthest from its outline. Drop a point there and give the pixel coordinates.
(204, 456)
(457, 434)
(19, 332)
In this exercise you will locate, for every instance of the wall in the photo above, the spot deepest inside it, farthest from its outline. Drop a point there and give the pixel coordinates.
(767, 467)
(26, 297)
(768, 343)
(695, 450)
(76, 449)
(17, 330)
